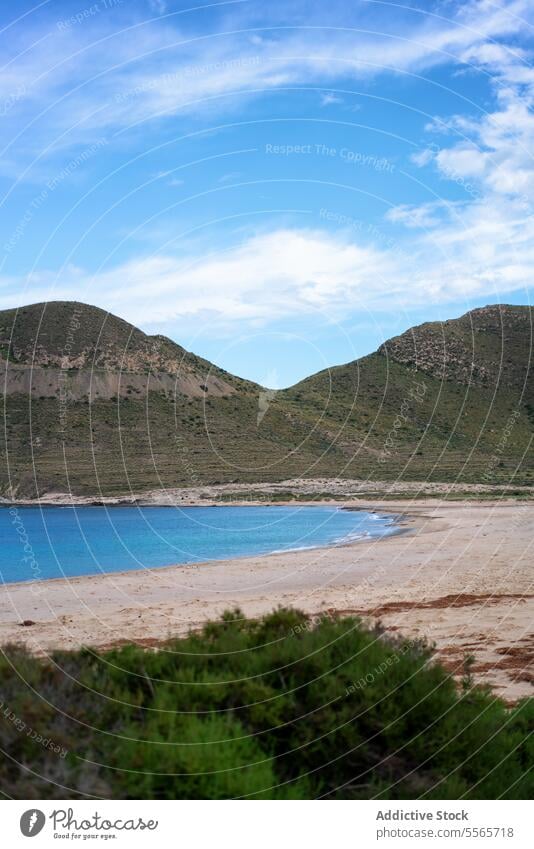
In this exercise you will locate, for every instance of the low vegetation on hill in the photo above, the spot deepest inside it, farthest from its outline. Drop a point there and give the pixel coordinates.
(275, 708)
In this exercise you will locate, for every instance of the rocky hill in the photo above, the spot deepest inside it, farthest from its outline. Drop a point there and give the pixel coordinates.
(94, 406)
(93, 354)
(488, 347)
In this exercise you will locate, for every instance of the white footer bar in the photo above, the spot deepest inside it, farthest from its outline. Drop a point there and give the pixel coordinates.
(266, 825)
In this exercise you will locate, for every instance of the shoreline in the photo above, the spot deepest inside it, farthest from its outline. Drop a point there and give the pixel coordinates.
(398, 519)
(457, 573)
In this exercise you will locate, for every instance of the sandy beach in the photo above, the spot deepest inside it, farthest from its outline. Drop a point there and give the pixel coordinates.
(460, 575)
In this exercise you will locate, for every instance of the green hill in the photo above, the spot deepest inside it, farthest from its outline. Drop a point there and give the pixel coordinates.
(94, 406)
(443, 401)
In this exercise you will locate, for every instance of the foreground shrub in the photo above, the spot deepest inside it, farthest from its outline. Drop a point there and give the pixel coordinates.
(275, 708)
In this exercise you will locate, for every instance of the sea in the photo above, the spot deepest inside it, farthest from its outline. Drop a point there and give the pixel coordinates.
(43, 542)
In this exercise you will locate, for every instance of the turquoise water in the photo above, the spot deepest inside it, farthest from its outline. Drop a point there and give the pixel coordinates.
(55, 542)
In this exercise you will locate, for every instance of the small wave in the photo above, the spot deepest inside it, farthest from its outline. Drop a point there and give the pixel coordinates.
(353, 536)
(297, 548)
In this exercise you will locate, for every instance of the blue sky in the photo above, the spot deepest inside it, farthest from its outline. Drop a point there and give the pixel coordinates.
(277, 186)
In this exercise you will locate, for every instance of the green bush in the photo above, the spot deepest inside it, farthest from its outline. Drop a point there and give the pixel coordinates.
(273, 708)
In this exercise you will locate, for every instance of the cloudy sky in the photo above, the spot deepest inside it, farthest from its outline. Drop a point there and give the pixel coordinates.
(277, 186)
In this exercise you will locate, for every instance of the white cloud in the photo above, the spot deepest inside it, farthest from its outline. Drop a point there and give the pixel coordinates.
(94, 79)
(271, 275)
(288, 273)
(328, 99)
(174, 181)
(422, 157)
(462, 161)
(231, 177)
(497, 155)
(493, 149)
(489, 237)
(425, 215)
(158, 6)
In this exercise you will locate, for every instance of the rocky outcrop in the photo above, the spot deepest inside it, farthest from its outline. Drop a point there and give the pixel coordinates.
(83, 352)
(486, 347)
(98, 384)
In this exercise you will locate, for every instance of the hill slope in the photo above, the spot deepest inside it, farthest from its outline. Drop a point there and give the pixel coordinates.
(443, 401)
(94, 406)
